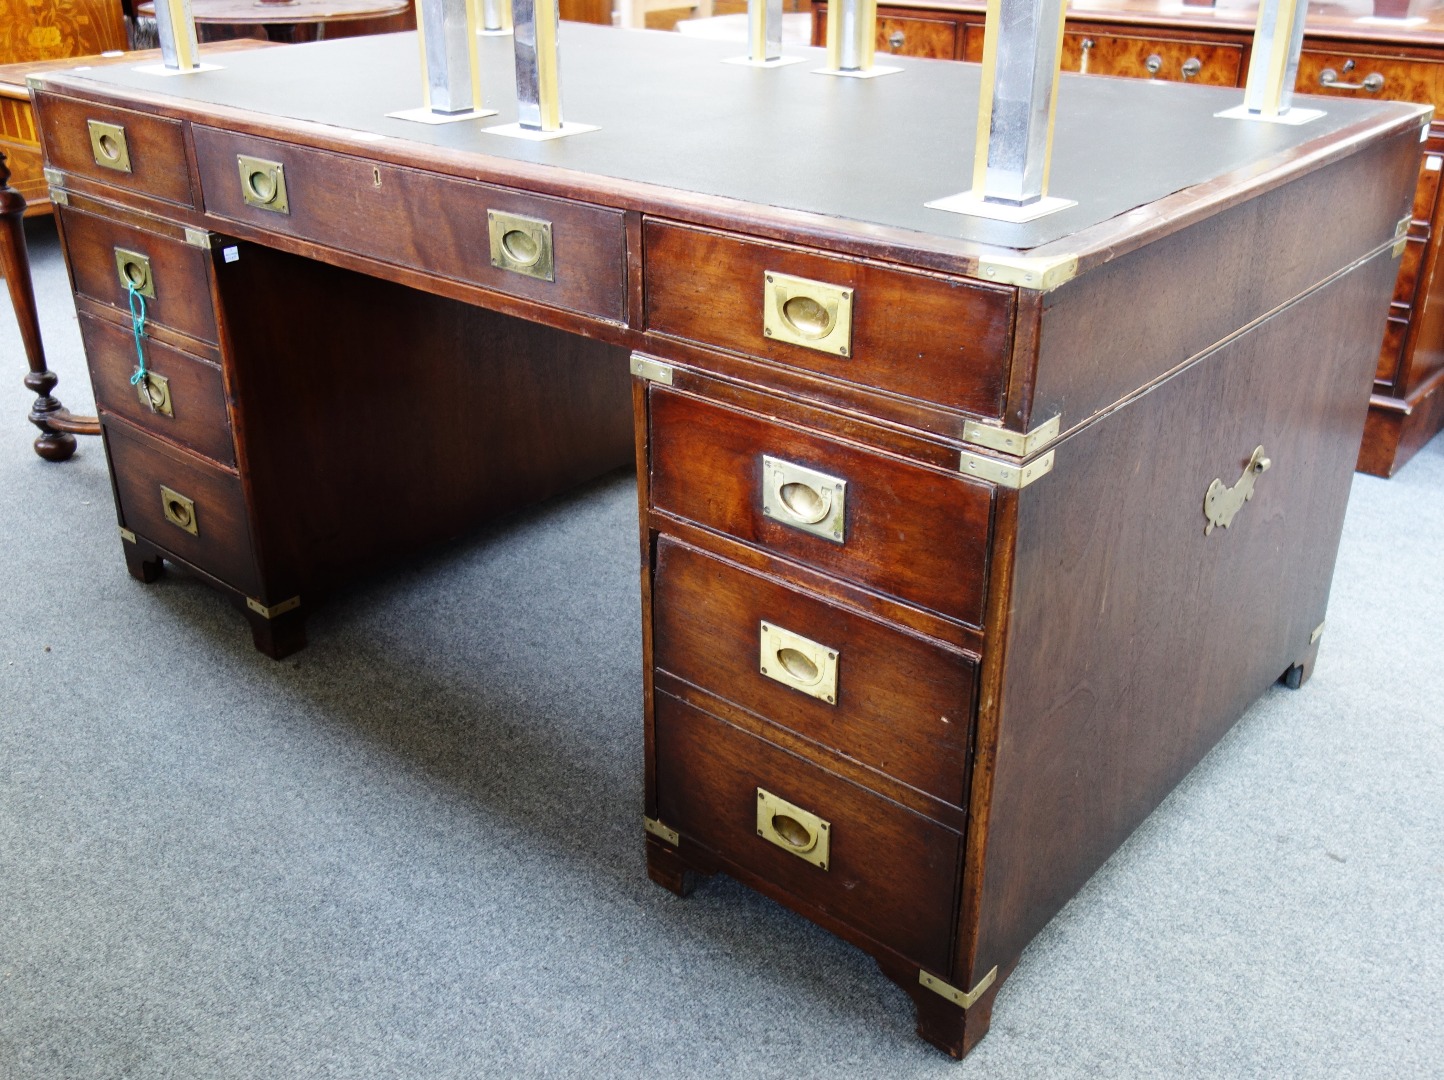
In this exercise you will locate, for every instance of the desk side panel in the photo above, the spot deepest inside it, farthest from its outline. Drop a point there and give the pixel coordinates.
(1136, 640)
(1099, 343)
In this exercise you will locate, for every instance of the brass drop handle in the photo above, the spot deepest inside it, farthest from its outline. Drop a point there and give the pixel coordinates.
(522, 245)
(1373, 82)
(1221, 503)
(895, 40)
(813, 314)
(154, 391)
(1154, 64)
(1191, 67)
(806, 666)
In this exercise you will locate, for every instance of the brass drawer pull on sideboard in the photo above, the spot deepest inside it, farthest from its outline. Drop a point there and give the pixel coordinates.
(812, 314)
(263, 184)
(798, 662)
(793, 829)
(107, 143)
(522, 245)
(178, 510)
(1221, 503)
(804, 498)
(1329, 78)
(133, 269)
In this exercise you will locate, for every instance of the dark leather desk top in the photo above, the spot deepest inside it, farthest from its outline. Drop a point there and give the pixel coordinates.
(868, 151)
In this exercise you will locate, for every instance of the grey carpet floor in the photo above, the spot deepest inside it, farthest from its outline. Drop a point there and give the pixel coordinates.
(414, 850)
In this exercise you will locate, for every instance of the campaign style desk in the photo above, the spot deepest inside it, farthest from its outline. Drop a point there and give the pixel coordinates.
(961, 541)
(1363, 49)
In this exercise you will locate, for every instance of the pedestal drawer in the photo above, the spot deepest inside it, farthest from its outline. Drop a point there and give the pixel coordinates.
(124, 149)
(951, 348)
(876, 866)
(915, 533)
(184, 399)
(183, 504)
(173, 276)
(896, 702)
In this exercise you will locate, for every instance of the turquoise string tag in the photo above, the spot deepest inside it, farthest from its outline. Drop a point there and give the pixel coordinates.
(137, 328)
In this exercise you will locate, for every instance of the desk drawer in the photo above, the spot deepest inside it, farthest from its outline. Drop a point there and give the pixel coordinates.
(890, 872)
(911, 532)
(933, 38)
(188, 393)
(1403, 80)
(177, 274)
(421, 221)
(893, 701)
(182, 504)
(142, 153)
(929, 338)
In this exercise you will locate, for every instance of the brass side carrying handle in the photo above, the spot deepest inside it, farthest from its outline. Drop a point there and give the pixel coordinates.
(1372, 83)
(522, 245)
(133, 268)
(804, 498)
(263, 184)
(795, 830)
(1221, 503)
(813, 314)
(806, 666)
(108, 144)
(179, 510)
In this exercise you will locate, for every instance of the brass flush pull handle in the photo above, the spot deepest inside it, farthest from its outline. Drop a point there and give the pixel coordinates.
(522, 245)
(178, 510)
(812, 314)
(263, 184)
(804, 498)
(107, 143)
(795, 830)
(801, 663)
(154, 391)
(1221, 503)
(133, 268)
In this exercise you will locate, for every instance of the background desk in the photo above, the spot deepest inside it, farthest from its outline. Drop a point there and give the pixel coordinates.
(939, 588)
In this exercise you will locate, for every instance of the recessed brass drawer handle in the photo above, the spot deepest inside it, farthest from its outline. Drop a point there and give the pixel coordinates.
(133, 268)
(801, 663)
(795, 830)
(263, 184)
(522, 245)
(804, 498)
(178, 510)
(812, 314)
(107, 143)
(154, 391)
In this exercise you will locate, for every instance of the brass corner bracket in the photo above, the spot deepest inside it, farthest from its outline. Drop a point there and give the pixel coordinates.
(275, 609)
(1005, 474)
(1039, 273)
(1019, 444)
(963, 998)
(645, 367)
(661, 832)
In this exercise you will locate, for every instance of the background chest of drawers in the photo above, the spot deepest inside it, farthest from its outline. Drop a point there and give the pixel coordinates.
(932, 614)
(1346, 54)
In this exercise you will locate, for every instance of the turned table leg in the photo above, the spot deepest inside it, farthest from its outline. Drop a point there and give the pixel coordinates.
(58, 427)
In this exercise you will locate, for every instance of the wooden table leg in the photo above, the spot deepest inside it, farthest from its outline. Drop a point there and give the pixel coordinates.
(58, 427)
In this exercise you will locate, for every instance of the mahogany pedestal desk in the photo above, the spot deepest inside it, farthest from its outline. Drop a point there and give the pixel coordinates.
(948, 569)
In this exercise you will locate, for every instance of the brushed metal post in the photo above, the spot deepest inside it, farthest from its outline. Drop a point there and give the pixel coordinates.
(176, 27)
(496, 16)
(851, 28)
(538, 90)
(1274, 66)
(764, 30)
(1017, 103)
(1022, 46)
(447, 33)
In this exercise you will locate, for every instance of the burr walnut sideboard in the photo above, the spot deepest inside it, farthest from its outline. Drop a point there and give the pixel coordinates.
(961, 541)
(1383, 50)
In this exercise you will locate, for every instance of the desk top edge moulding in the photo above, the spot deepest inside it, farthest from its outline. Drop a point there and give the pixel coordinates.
(961, 540)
